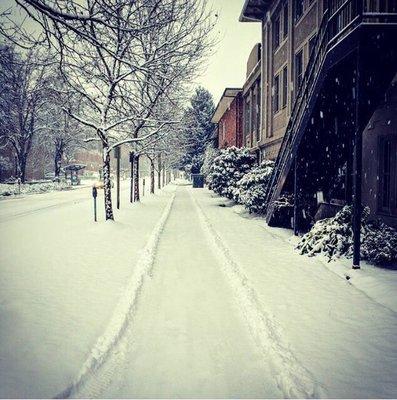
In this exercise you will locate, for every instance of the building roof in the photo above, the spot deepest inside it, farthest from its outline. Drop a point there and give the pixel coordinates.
(74, 167)
(227, 97)
(254, 10)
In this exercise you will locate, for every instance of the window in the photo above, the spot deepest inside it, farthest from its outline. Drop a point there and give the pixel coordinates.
(276, 33)
(298, 9)
(253, 110)
(312, 42)
(258, 112)
(247, 117)
(298, 71)
(387, 200)
(276, 101)
(285, 20)
(285, 87)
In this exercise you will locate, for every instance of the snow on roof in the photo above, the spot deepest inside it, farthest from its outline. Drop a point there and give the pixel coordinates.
(227, 97)
(74, 167)
(254, 10)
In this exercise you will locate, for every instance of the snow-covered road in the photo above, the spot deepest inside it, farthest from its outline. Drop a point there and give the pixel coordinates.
(181, 298)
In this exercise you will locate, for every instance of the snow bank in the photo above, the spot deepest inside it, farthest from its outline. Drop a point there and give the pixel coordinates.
(15, 189)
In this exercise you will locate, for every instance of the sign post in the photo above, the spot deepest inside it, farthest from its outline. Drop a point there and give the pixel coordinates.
(117, 157)
(94, 195)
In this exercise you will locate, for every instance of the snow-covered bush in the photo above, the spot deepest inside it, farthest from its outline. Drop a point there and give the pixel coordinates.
(209, 156)
(251, 188)
(15, 189)
(333, 237)
(228, 168)
(379, 244)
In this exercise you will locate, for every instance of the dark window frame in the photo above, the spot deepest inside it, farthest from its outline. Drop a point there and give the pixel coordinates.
(276, 27)
(299, 11)
(298, 77)
(253, 110)
(247, 116)
(387, 188)
(276, 95)
(284, 100)
(258, 111)
(285, 20)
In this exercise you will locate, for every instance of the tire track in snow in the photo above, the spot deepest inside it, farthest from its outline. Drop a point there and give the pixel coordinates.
(293, 379)
(109, 351)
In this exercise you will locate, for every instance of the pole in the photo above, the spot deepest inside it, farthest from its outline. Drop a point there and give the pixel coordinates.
(296, 197)
(357, 208)
(159, 171)
(132, 177)
(94, 195)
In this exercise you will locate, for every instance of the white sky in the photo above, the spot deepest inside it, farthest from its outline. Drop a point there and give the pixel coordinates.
(227, 66)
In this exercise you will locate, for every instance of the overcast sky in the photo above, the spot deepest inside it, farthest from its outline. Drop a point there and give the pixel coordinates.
(227, 67)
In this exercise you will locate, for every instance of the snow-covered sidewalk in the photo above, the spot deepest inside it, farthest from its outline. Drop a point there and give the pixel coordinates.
(181, 297)
(342, 337)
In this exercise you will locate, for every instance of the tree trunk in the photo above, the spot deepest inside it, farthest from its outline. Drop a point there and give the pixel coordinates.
(107, 184)
(159, 171)
(22, 159)
(132, 158)
(136, 178)
(57, 163)
(151, 175)
(163, 175)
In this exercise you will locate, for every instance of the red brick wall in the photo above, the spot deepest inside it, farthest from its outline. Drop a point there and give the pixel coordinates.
(230, 132)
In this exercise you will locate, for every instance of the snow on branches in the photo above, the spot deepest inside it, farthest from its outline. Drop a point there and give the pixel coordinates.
(251, 188)
(228, 168)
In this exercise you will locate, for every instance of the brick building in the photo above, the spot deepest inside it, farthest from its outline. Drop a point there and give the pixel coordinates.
(228, 116)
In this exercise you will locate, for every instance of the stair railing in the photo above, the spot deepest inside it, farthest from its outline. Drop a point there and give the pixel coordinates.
(338, 19)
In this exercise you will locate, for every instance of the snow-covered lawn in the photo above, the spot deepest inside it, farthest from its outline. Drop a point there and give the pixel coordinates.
(181, 297)
(61, 276)
(7, 190)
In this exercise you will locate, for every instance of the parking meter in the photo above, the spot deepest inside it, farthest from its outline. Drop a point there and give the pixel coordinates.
(94, 195)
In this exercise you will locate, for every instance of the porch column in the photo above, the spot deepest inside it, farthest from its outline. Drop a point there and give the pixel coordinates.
(296, 196)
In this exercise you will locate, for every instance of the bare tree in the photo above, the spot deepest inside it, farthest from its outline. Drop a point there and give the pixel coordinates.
(62, 134)
(123, 58)
(23, 81)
